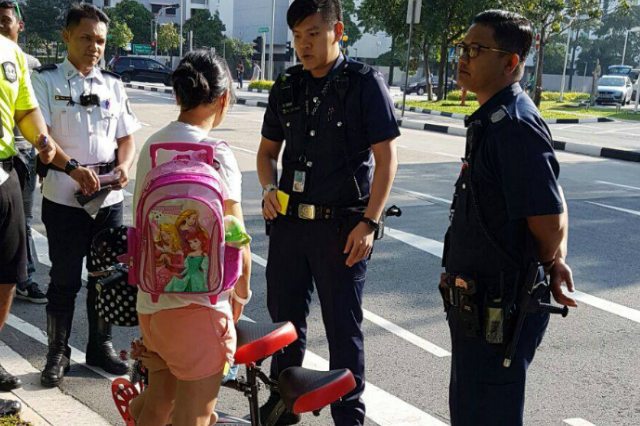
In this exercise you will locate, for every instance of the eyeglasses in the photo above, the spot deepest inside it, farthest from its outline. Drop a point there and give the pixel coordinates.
(11, 4)
(473, 50)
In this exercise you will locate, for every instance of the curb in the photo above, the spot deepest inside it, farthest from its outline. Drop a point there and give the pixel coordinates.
(572, 147)
(149, 89)
(458, 116)
(258, 90)
(575, 148)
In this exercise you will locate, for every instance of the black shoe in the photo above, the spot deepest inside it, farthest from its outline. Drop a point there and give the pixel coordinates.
(9, 407)
(32, 294)
(58, 357)
(286, 418)
(8, 382)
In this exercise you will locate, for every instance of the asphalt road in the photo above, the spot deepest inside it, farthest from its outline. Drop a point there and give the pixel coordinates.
(586, 371)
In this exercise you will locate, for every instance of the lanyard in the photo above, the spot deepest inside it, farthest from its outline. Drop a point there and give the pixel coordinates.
(311, 116)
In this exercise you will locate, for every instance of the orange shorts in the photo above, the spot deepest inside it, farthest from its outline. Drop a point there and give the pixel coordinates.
(196, 342)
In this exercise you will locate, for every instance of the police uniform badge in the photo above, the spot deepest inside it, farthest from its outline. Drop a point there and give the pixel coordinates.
(10, 72)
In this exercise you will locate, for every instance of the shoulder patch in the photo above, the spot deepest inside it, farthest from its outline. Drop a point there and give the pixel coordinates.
(498, 115)
(111, 73)
(364, 70)
(49, 67)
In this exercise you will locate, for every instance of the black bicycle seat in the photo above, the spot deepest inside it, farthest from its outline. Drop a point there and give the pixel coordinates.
(259, 341)
(303, 390)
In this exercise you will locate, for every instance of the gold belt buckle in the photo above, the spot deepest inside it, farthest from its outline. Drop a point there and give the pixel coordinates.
(307, 211)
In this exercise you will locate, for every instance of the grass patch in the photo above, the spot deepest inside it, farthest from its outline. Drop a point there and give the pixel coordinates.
(549, 109)
(13, 421)
(261, 84)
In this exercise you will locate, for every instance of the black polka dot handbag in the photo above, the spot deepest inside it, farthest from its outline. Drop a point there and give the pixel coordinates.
(116, 300)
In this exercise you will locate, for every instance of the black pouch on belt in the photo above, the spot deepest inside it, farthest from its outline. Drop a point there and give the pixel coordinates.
(494, 314)
(466, 289)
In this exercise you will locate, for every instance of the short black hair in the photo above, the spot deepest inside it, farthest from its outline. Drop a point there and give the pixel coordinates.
(512, 32)
(300, 10)
(14, 7)
(200, 79)
(80, 11)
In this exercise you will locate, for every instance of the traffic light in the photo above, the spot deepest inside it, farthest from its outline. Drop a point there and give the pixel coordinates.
(153, 44)
(257, 45)
(290, 51)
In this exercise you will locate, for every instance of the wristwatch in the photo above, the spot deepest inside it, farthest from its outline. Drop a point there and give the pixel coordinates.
(71, 166)
(269, 188)
(372, 223)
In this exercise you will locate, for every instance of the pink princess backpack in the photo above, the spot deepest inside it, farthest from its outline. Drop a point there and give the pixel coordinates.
(177, 245)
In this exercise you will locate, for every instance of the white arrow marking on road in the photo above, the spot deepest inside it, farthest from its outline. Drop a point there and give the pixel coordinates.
(617, 184)
(382, 407)
(387, 325)
(578, 422)
(53, 405)
(620, 209)
(436, 248)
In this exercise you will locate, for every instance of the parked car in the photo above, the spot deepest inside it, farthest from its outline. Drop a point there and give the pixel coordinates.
(420, 87)
(132, 68)
(614, 89)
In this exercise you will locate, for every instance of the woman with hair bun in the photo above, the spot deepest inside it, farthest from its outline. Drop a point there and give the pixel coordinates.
(189, 343)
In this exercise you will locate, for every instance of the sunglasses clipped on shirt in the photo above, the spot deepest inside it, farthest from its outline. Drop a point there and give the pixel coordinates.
(473, 50)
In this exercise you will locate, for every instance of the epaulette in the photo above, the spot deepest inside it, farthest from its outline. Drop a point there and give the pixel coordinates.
(111, 73)
(43, 68)
(499, 115)
(359, 68)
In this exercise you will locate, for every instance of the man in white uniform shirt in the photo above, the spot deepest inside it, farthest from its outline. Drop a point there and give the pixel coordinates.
(88, 112)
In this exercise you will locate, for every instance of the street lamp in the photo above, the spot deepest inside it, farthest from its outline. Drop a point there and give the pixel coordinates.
(162, 9)
(356, 49)
(566, 56)
(626, 39)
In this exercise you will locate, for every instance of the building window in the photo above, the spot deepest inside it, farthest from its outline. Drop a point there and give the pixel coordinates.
(107, 3)
(199, 1)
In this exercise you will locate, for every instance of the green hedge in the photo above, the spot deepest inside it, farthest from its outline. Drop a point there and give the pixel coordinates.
(456, 95)
(261, 84)
(568, 96)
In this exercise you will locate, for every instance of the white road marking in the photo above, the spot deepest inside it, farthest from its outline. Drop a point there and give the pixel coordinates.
(246, 151)
(436, 248)
(387, 325)
(382, 407)
(578, 422)
(618, 185)
(53, 405)
(145, 124)
(420, 195)
(620, 209)
(457, 157)
(35, 333)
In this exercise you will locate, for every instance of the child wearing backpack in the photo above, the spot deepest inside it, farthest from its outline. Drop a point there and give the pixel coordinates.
(187, 327)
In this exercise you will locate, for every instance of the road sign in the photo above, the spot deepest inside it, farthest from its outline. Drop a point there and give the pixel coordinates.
(141, 49)
(417, 4)
(263, 30)
(128, 47)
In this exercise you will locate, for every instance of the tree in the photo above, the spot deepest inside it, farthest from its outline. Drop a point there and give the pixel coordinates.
(351, 28)
(119, 35)
(208, 31)
(168, 38)
(238, 51)
(552, 17)
(137, 17)
(46, 20)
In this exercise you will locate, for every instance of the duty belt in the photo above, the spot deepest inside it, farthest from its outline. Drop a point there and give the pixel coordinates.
(321, 212)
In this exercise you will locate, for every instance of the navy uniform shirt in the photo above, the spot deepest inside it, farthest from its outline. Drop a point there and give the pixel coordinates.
(338, 130)
(514, 172)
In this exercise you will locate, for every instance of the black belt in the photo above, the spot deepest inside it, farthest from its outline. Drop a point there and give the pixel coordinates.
(100, 169)
(7, 164)
(321, 212)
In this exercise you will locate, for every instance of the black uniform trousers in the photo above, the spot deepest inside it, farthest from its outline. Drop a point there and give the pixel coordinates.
(483, 392)
(305, 252)
(70, 232)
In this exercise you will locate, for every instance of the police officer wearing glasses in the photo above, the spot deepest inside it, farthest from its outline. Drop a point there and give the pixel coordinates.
(336, 116)
(508, 213)
(88, 111)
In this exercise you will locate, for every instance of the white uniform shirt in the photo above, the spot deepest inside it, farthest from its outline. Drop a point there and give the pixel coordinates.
(87, 134)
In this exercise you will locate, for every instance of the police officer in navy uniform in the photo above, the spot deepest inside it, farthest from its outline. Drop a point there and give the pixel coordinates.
(88, 111)
(508, 212)
(336, 115)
